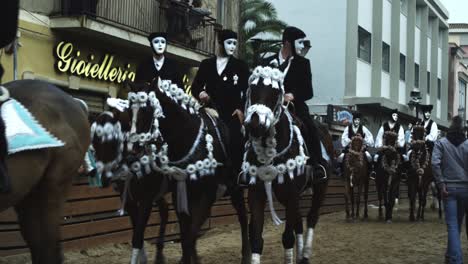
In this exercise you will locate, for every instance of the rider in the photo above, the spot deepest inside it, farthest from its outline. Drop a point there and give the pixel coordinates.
(394, 126)
(222, 81)
(352, 130)
(9, 22)
(158, 65)
(298, 88)
(430, 126)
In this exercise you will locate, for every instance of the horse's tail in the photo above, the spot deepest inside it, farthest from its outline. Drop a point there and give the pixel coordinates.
(83, 105)
(4, 94)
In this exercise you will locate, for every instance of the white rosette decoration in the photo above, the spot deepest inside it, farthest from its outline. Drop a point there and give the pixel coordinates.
(281, 168)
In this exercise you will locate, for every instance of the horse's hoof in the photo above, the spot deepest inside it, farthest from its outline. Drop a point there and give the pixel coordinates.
(389, 221)
(365, 218)
(304, 261)
(412, 219)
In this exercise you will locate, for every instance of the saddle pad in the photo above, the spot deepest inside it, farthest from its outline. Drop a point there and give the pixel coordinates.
(22, 130)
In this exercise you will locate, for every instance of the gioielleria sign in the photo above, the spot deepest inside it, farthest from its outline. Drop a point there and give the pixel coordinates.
(69, 61)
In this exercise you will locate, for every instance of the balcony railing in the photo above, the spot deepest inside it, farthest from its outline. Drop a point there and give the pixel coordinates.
(186, 26)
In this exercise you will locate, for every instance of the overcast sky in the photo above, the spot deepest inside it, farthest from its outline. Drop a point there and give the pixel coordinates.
(458, 10)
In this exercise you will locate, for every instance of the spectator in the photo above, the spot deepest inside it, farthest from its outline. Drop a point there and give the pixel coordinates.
(450, 173)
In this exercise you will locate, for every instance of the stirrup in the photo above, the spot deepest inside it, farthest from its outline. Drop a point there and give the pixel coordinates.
(325, 175)
(372, 175)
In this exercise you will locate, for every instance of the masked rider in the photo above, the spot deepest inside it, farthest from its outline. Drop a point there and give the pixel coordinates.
(394, 126)
(352, 130)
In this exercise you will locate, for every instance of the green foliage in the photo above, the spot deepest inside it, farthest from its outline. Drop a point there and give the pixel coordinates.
(257, 17)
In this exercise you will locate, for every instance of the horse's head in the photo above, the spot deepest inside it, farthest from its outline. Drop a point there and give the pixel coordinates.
(264, 100)
(418, 132)
(357, 142)
(144, 112)
(107, 140)
(390, 138)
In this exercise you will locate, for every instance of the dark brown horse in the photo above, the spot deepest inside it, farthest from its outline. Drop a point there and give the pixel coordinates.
(420, 174)
(388, 179)
(186, 138)
(275, 162)
(41, 179)
(356, 175)
(137, 193)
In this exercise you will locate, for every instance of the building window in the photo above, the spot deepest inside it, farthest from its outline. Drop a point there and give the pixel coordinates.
(364, 48)
(439, 88)
(416, 75)
(402, 67)
(428, 83)
(462, 98)
(404, 6)
(385, 57)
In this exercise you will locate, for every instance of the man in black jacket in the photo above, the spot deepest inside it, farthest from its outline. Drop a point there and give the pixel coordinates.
(222, 81)
(9, 22)
(158, 65)
(298, 88)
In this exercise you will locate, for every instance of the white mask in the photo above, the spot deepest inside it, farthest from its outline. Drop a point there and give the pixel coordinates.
(427, 115)
(395, 117)
(230, 46)
(356, 122)
(299, 45)
(159, 45)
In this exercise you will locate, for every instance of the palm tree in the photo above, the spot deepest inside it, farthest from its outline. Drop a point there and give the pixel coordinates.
(258, 17)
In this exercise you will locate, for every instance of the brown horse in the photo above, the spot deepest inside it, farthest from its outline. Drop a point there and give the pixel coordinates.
(356, 175)
(274, 162)
(387, 179)
(41, 179)
(420, 174)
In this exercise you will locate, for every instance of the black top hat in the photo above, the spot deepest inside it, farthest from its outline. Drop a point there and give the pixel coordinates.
(357, 115)
(157, 34)
(394, 111)
(292, 33)
(226, 34)
(426, 108)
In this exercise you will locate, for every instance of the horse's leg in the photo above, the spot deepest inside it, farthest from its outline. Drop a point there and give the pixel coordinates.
(358, 198)
(257, 200)
(412, 191)
(144, 211)
(385, 190)
(184, 227)
(424, 199)
(299, 230)
(320, 191)
(353, 200)
(203, 196)
(347, 195)
(366, 196)
(288, 239)
(48, 200)
(379, 196)
(28, 211)
(237, 200)
(164, 216)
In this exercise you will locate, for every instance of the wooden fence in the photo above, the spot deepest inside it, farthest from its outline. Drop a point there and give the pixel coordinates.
(91, 218)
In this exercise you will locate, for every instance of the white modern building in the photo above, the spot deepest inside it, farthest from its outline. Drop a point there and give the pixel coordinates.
(373, 53)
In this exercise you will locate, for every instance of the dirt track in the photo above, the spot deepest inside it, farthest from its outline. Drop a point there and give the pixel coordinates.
(336, 242)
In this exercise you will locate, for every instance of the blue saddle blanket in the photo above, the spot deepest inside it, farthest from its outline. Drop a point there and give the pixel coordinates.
(23, 131)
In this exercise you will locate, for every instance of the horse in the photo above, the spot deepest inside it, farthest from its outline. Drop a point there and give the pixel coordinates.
(420, 174)
(356, 175)
(41, 178)
(275, 161)
(109, 134)
(387, 179)
(190, 150)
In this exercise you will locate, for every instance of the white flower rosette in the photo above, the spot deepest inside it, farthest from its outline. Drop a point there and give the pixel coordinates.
(267, 173)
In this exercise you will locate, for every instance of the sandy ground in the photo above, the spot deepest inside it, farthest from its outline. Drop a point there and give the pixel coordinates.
(336, 242)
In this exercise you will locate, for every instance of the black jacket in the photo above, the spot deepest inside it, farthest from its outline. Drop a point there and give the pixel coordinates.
(226, 93)
(147, 72)
(298, 80)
